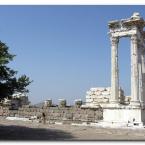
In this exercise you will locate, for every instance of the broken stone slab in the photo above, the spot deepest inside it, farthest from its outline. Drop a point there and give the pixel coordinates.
(88, 97)
(89, 100)
(99, 97)
(68, 116)
(105, 93)
(101, 100)
(97, 89)
(90, 106)
(17, 118)
(48, 103)
(78, 103)
(62, 103)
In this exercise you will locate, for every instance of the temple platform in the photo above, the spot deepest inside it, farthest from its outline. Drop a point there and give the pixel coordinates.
(124, 115)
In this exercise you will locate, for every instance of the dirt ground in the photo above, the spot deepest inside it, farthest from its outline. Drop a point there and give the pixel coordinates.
(26, 131)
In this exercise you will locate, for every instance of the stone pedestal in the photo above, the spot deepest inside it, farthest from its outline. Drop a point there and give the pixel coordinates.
(48, 103)
(124, 115)
(62, 103)
(78, 103)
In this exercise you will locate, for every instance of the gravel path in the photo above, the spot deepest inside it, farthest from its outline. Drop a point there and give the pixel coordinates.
(20, 130)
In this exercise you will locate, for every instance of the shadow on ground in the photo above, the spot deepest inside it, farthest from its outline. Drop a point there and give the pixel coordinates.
(14, 132)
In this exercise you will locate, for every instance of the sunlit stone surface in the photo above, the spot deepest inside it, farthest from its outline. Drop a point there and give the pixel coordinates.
(116, 106)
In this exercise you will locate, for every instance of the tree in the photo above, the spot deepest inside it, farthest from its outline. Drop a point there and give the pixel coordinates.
(9, 83)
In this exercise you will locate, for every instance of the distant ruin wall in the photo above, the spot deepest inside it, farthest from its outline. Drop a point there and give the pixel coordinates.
(97, 96)
(67, 114)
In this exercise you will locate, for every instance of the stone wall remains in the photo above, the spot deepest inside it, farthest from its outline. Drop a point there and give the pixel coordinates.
(59, 113)
(96, 96)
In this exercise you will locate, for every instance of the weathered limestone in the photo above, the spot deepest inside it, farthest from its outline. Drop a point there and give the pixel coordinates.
(56, 114)
(95, 96)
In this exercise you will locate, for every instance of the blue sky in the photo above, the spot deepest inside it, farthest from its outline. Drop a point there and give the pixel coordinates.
(65, 49)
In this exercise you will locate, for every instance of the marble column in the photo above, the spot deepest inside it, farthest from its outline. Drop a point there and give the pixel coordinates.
(143, 75)
(140, 73)
(134, 70)
(114, 70)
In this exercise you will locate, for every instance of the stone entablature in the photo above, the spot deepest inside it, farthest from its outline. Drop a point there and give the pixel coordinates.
(127, 27)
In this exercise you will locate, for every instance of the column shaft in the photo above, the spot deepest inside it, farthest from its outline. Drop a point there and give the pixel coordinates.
(143, 76)
(134, 70)
(140, 73)
(114, 70)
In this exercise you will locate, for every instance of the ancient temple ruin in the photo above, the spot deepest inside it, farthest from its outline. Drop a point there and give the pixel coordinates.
(107, 105)
(116, 106)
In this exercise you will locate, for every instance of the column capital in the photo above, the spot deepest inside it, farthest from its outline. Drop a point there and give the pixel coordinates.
(134, 38)
(114, 40)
